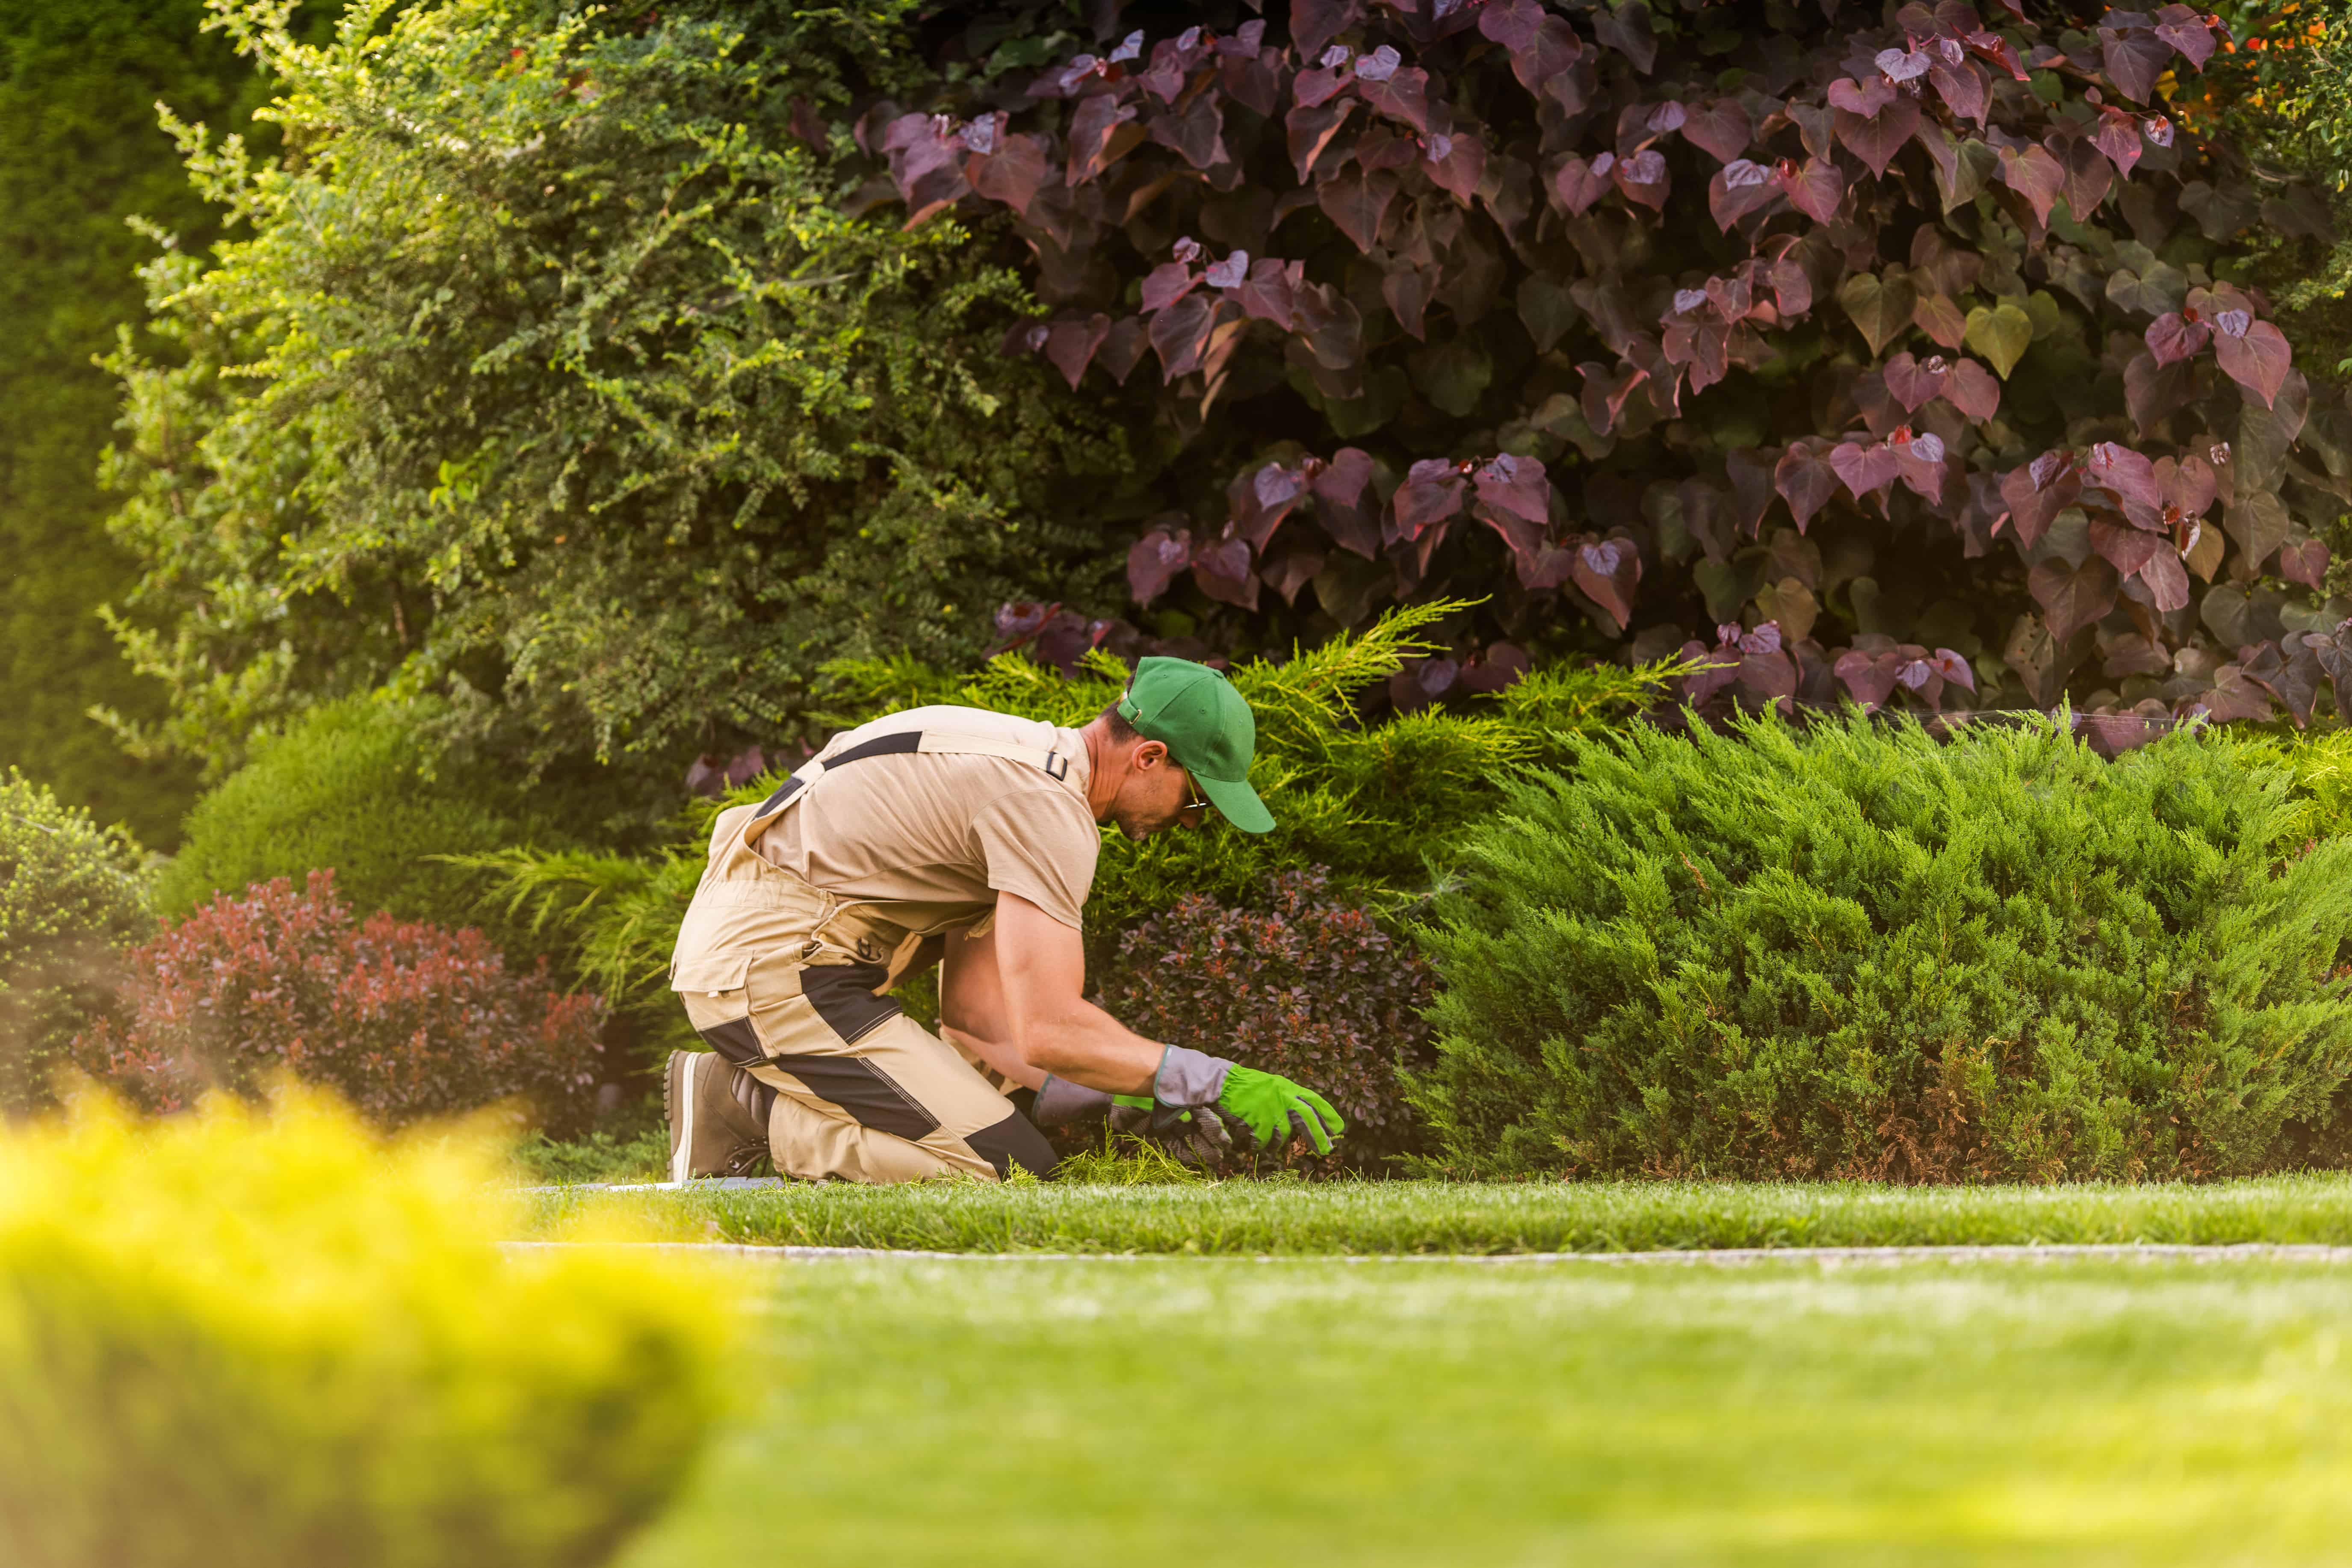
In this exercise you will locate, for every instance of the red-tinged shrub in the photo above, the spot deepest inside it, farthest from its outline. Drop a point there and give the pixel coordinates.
(1905, 354)
(406, 1020)
(1309, 986)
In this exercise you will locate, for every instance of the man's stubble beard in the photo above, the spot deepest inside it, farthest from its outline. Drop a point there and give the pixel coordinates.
(1137, 826)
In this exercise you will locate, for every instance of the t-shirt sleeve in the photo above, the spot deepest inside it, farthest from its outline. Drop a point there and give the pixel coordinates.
(1042, 845)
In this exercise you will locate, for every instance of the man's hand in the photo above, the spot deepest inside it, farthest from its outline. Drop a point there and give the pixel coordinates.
(1266, 1103)
(1269, 1104)
(1195, 1137)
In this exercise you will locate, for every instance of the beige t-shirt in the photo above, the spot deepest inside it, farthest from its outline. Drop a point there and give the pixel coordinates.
(943, 827)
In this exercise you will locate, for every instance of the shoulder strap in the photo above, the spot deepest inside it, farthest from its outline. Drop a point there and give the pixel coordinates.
(1054, 764)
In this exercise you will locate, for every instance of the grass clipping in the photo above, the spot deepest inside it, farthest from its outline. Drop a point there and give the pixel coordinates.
(276, 1330)
(1124, 1160)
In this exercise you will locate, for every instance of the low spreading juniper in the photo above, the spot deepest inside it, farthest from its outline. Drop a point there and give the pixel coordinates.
(1851, 951)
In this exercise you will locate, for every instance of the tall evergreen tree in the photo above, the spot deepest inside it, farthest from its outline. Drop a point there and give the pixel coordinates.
(80, 151)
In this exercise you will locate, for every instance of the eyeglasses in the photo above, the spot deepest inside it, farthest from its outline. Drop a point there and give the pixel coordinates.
(1199, 801)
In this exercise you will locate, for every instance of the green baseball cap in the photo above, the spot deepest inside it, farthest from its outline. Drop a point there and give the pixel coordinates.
(1206, 726)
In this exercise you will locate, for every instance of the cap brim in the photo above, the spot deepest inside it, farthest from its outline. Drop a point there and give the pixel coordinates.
(1236, 803)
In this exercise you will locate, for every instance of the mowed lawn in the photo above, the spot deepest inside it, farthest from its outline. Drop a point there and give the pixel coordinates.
(1248, 1218)
(1200, 1411)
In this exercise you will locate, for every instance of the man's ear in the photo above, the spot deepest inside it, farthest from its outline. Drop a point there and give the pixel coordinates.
(1149, 754)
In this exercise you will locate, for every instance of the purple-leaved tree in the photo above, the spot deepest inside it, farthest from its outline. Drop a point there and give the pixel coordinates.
(1899, 356)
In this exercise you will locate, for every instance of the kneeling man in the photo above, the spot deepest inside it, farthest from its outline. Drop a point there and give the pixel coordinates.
(959, 835)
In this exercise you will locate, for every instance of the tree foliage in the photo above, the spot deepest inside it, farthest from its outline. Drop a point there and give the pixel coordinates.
(1902, 356)
(2283, 86)
(80, 151)
(552, 368)
(1850, 951)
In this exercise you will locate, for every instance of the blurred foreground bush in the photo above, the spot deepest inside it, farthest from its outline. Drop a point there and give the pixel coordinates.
(1309, 987)
(1851, 952)
(408, 1020)
(71, 893)
(276, 1343)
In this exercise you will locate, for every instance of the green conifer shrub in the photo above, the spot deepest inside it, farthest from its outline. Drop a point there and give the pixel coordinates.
(2321, 760)
(71, 895)
(1851, 952)
(360, 787)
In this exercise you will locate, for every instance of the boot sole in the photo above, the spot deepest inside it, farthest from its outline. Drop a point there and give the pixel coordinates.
(677, 1107)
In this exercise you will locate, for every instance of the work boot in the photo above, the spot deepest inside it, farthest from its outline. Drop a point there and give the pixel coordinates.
(712, 1132)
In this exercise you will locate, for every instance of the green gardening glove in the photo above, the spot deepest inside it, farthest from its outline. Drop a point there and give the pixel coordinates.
(1269, 1104)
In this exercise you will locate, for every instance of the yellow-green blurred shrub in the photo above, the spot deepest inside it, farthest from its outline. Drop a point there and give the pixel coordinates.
(270, 1338)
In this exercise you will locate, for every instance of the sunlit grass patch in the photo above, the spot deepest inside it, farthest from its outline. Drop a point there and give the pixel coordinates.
(985, 1411)
(1133, 1213)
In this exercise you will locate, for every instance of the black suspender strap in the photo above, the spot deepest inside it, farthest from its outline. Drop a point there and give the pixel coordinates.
(1057, 766)
(785, 792)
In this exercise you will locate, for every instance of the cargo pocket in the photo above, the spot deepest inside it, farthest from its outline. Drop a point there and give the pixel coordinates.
(713, 975)
(716, 1005)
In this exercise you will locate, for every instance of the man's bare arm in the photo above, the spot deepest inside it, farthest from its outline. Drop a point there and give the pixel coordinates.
(1041, 966)
(972, 1012)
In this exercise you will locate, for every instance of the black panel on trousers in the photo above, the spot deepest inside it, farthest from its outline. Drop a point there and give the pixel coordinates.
(864, 1091)
(735, 1040)
(843, 995)
(1013, 1141)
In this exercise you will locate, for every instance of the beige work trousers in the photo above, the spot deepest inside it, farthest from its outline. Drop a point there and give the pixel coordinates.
(788, 982)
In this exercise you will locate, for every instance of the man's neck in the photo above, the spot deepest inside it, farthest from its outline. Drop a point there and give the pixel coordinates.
(1101, 788)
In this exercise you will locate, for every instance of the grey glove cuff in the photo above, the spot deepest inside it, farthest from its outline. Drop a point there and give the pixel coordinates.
(1188, 1077)
(1060, 1102)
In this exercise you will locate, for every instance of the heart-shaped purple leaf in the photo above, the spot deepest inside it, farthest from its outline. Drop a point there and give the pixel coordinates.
(1155, 560)
(1519, 486)
(2257, 359)
(1902, 65)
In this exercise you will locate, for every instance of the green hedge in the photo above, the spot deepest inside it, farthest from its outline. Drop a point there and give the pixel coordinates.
(356, 787)
(1852, 951)
(71, 893)
(282, 1343)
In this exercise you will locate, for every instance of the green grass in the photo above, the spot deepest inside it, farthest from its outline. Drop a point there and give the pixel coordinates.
(601, 1156)
(975, 1412)
(1260, 1217)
